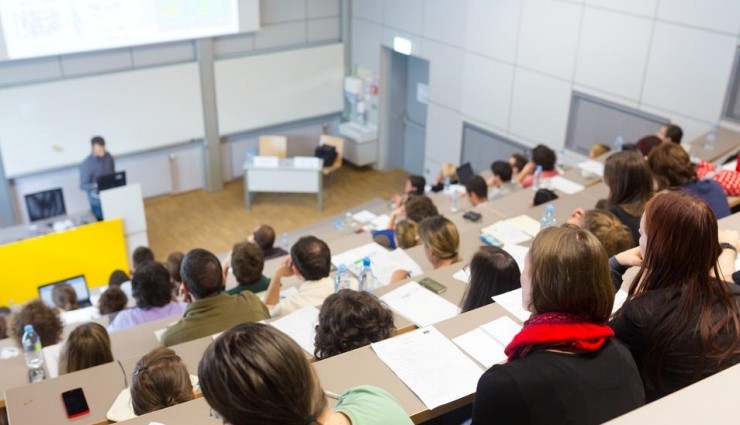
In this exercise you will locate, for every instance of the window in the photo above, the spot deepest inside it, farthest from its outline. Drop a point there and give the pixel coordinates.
(732, 101)
(481, 147)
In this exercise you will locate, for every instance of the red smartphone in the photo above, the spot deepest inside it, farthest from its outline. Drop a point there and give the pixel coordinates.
(75, 403)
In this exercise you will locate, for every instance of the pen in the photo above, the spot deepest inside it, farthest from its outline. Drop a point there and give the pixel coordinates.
(332, 394)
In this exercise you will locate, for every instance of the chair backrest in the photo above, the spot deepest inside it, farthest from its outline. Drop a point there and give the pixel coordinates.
(273, 146)
(337, 142)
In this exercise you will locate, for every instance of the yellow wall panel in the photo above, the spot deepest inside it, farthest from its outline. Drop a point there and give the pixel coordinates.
(94, 250)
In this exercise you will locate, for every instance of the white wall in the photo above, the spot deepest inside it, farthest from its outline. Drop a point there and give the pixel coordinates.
(510, 66)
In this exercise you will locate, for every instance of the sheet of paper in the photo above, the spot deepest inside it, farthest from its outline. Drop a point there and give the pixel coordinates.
(480, 346)
(512, 302)
(731, 166)
(502, 330)
(566, 186)
(462, 276)
(380, 222)
(265, 161)
(437, 379)
(363, 216)
(506, 233)
(306, 162)
(51, 358)
(619, 298)
(80, 315)
(526, 224)
(353, 258)
(382, 261)
(594, 167)
(301, 326)
(518, 252)
(419, 305)
(288, 292)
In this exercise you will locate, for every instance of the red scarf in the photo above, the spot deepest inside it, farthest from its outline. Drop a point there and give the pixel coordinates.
(560, 331)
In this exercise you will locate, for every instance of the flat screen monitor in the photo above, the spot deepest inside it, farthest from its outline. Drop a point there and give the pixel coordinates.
(78, 283)
(46, 204)
(464, 173)
(109, 181)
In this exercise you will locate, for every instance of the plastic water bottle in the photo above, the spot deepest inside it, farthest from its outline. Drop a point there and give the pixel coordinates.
(548, 217)
(34, 356)
(446, 184)
(537, 180)
(342, 279)
(285, 241)
(348, 222)
(711, 137)
(454, 198)
(368, 282)
(618, 143)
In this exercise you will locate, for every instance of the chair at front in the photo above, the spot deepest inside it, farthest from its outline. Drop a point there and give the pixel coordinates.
(338, 143)
(273, 146)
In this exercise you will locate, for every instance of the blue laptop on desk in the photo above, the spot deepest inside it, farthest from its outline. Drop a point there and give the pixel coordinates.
(78, 283)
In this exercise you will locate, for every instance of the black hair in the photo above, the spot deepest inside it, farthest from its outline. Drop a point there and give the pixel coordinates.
(493, 271)
(418, 183)
(477, 185)
(141, 255)
(202, 274)
(502, 169)
(150, 285)
(544, 156)
(312, 258)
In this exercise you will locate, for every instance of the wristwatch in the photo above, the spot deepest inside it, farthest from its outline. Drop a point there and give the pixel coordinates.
(725, 245)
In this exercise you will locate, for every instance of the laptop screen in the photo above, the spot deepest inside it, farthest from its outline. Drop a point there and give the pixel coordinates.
(78, 283)
(109, 181)
(464, 173)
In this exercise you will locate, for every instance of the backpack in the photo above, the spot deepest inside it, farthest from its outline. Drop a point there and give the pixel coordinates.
(328, 153)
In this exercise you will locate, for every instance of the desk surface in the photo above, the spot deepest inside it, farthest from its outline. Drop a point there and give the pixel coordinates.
(727, 142)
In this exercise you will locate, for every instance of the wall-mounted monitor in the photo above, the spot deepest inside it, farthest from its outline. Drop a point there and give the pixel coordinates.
(46, 204)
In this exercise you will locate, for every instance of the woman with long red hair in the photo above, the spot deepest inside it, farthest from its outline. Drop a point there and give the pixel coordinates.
(681, 322)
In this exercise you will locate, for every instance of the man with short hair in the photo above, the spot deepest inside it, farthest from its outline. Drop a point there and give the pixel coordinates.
(264, 237)
(210, 310)
(477, 190)
(310, 261)
(544, 157)
(670, 133)
(246, 264)
(99, 163)
(141, 255)
(500, 183)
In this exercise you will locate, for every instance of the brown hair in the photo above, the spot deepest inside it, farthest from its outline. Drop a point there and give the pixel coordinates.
(264, 236)
(440, 234)
(64, 297)
(493, 271)
(647, 144)
(117, 278)
(612, 233)
(407, 233)
(349, 320)
(671, 166)
(173, 262)
(255, 374)
(420, 207)
(45, 321)
(247, 262)
(630, 182)
(112, 300)
(88, 345)
(160, 380)
(671, 262)
(569, 273)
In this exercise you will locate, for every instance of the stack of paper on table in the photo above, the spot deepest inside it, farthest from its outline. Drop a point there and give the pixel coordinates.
(462, 275)
(513, 230)
(363, 216)
(564, 185)
(437, 379)
(301, 326)
(593, 167)
(382, 261)
(380, 222)
(486, 343)
(512, 302)
(419, 305)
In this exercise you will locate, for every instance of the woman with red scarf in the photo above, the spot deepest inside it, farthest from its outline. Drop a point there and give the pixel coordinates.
(565, 366)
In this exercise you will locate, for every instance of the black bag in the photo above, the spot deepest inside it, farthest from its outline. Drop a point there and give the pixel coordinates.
(328, 153)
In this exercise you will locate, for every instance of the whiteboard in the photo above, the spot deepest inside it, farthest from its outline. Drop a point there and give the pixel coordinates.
(49, 125)
(259, 91)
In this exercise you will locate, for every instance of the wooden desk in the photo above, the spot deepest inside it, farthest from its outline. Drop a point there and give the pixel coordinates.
(710, 401)
(727, 142)
(564, 206)
(596, 192)
(284, 178)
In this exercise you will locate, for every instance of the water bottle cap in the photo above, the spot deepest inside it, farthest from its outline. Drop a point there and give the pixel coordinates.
(366, 261)
(28, 328)
(550, 208)
(342, 268)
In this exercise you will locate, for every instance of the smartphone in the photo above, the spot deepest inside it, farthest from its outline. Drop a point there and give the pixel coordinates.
(75, 403)
(432, 285)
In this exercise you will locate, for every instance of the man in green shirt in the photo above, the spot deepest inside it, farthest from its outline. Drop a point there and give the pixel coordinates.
(247, 262)
(210, 309)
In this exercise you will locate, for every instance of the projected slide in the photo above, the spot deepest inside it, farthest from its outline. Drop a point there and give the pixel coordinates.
(35, 28)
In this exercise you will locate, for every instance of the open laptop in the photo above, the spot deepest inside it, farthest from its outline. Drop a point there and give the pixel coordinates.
(109, 181)
(77, 282)
(464, 173)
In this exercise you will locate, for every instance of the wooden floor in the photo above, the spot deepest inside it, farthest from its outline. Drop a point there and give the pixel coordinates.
(217, 220)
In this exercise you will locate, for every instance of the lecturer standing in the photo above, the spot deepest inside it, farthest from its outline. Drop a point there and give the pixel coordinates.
(99, 163)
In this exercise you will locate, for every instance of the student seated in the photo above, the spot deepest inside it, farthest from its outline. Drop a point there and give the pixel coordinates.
(264, 237)
(493, 271)
(598, 149)
(118, 278)
(310, 261)
(613, 235)
(565, 364)
(64, 297)
(477, 190)
(160, 380)
(680, 322)
(253, 374)
(544, 157)
(417, 209)
(670, 133)
(414, 186)
(630, 185)
(88, 345)
(448, 171)
(672, 169)
(152, 291)
(647, 144)
(441, 244)
(500, 184)
(111, 301)
(246, 263)
(406, 233)
(210, 310)
(351, 319)
(543, 196)
(173, 263)
(45, 321)
(141, 255)
(518, 162)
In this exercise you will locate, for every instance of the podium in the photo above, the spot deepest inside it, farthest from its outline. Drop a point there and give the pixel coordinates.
(127, 203)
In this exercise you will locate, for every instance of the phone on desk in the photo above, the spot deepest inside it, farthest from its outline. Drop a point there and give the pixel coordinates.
(75, 403)
(432, 285)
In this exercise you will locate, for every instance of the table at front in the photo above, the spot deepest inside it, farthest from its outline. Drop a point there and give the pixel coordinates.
(284, 178)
